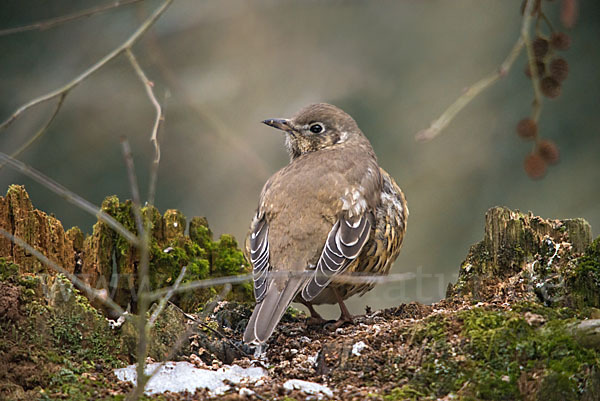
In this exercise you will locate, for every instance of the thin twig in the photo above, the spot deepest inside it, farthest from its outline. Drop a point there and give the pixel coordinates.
(41, 131)
(218, 127)
(133, 184)
(148, 85)
(92, 293)
(207, 327)
(167, 297)
(183, 336)
(69, 196)
(447, 116)
(154, 165)
(143, 303)
(77, 80)
(52, 22)
(342, 278)
(217, 332)
(535, 74)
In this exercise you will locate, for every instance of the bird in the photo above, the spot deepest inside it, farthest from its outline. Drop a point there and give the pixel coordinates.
(332, 210)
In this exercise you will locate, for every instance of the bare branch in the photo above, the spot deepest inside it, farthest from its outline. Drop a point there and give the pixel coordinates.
(77, 80)
(186, 334)
(92, 293)
(341, 278)
(69, 196)
(52, 22)
(133, 184)
(148, 85)
(41, 131)
(535, 74)
(143, 279)
(167, 297)
(217, 332)
(470, 93)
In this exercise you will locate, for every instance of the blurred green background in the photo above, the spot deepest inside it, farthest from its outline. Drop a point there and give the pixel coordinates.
(220, 67)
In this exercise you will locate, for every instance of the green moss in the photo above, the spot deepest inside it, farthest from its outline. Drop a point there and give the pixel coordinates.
(8, 271)
(583, 284)
(200, 233)
(59, 341)
(503, 346)
(406, 392)
(484, 354)
(170, 250)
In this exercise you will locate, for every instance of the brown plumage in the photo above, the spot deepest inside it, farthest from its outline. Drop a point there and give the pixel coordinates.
(331, 210)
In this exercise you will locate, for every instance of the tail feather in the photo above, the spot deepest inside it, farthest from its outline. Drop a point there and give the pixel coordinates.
(269, 311)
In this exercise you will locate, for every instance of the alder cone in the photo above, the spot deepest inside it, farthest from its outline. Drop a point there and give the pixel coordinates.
(527, 128)
(535, 166)
(559, 69)
(540, 47)
(548, 151)
(560, 41)
(550, 87)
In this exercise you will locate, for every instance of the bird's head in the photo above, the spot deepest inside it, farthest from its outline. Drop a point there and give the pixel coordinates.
(316, 127)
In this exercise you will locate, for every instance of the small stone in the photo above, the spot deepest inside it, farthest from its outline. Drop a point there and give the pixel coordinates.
(246, 392)
(308, 387)
(358, 347)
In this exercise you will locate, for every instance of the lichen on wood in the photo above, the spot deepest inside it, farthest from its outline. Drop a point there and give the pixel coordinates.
(526, 255)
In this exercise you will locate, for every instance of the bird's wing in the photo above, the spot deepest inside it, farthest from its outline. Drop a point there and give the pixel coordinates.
(344, 243)
(259, 257)
(273, 294)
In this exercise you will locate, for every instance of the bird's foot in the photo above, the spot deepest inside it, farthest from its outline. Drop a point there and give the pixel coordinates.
(339, 323)
(315, 319)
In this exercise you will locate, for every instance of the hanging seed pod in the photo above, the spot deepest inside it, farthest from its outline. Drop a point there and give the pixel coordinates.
(550, 87)
(560, 41)
(527, 128)
(548, 151)
(559, 69)
(540, 47)
(534, 166)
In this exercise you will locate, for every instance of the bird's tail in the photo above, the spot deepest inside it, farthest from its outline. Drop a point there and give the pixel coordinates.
(269, 311)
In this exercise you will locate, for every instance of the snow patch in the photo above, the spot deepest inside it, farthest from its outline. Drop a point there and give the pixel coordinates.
(183, 376)
(308, 388)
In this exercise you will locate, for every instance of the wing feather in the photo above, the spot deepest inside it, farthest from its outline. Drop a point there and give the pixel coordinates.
(259, 257)
(343, 245)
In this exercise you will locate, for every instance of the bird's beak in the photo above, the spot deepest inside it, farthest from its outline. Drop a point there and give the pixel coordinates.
(279, 123)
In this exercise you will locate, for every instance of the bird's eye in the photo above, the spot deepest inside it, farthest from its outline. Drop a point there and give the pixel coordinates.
(317, 128)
